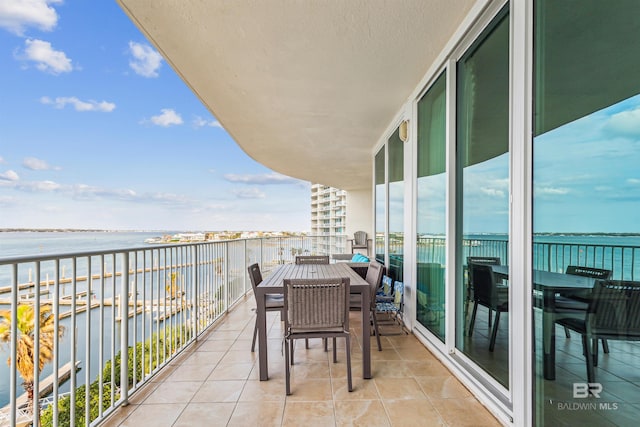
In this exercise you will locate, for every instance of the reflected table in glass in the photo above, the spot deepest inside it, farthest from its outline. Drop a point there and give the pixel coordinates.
(550, 283)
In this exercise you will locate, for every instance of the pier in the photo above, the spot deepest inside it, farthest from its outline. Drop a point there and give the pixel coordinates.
(46, 388)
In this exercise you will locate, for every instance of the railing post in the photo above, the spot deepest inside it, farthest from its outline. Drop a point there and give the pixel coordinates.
(124, 330)
(225, 276)
(196, 278)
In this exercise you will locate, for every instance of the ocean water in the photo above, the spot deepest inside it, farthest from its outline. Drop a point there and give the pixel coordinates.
(13, 244)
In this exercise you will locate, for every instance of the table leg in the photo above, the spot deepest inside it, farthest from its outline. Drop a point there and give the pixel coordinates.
(262, 337)
(549, 335)
(366, 333)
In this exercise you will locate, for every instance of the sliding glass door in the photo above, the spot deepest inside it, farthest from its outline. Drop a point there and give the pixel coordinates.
(586, 212)
(482, 200)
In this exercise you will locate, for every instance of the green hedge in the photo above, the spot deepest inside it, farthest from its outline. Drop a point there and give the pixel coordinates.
(151, 347)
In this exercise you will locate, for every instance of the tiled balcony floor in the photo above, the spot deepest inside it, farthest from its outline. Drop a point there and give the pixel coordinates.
(215, 383)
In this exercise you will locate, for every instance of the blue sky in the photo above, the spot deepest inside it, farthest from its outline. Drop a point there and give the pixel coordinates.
(97, 131)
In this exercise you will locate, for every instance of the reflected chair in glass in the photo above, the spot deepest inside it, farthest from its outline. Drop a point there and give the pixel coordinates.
(312, 259)
(613, 314)
(360, 241)
(273, 302)
(316, 308)
(485, 260)
(486, 293)
(575, 305)
(373, 278)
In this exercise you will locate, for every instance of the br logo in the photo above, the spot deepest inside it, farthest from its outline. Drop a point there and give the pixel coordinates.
(583, 390)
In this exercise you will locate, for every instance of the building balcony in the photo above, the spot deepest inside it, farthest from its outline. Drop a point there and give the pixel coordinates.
(190, 317)
(216, 379)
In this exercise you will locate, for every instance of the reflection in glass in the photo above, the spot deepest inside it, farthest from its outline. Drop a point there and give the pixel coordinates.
(380, 203)
(396, 206)
(482, 204)
(431, 209)
(586, 208)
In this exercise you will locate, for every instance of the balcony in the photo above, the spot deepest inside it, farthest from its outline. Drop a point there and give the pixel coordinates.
(187, 344)
(216, 379)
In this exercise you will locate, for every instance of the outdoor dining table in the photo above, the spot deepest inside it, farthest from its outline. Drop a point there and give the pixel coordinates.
(273, 284)
(550, 284)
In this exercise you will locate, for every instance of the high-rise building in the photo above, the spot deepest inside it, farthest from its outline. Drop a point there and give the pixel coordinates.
(328, 215)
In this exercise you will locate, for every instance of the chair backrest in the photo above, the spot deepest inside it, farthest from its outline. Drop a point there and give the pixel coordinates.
(598, 273)
(614, 310)
(373, 278)
(360, 238)
(387, 285)
(255, 275)
(485, 260)
(398, 295)
(484, 285)
(312, 259)
(316, 304)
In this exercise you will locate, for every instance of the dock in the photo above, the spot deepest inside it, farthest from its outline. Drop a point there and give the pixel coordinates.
(46, 386)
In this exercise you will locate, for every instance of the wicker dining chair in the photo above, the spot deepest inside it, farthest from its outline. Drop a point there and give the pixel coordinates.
(312, 259)
(316, 308)
(273, 302)
(375, 272)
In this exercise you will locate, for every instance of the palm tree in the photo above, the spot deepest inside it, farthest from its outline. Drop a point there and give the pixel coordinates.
(25, 362)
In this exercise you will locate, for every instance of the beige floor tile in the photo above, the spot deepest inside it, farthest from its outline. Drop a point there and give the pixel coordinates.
(174, 392)
(237, 356)
(464, 412)
(219, 391)
(257, 414)
(369, 413)
(222, 336)
(157, 415)
(427, 368)
(408, 413)
(215, 345)
(119, 415)
(445, 387)
(310, 389)
(308, 414)
(399, 388)
(140, 395)
(233, 371)
(205, 415)
(311, 369)
(257, 391)
(362, 389)
(391, 369)
(188, 372)
(205, 357)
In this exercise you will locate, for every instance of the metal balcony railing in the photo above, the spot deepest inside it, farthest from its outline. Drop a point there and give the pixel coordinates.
(102, 310)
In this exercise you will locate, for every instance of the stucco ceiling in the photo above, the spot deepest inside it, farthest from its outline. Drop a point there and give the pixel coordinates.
(304, 87)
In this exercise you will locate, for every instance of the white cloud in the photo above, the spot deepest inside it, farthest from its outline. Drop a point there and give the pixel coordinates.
(248, 193)
(146, 61)
(36, 164)
(167, 118)
(46, 58)
(17, 15)
(39, 186)
(9, 176)
(633, 181)
(199, 122)
(90, 105)
(262, 179)
(551, 191)
(492, 192)
(625, 122)
(2, 160)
